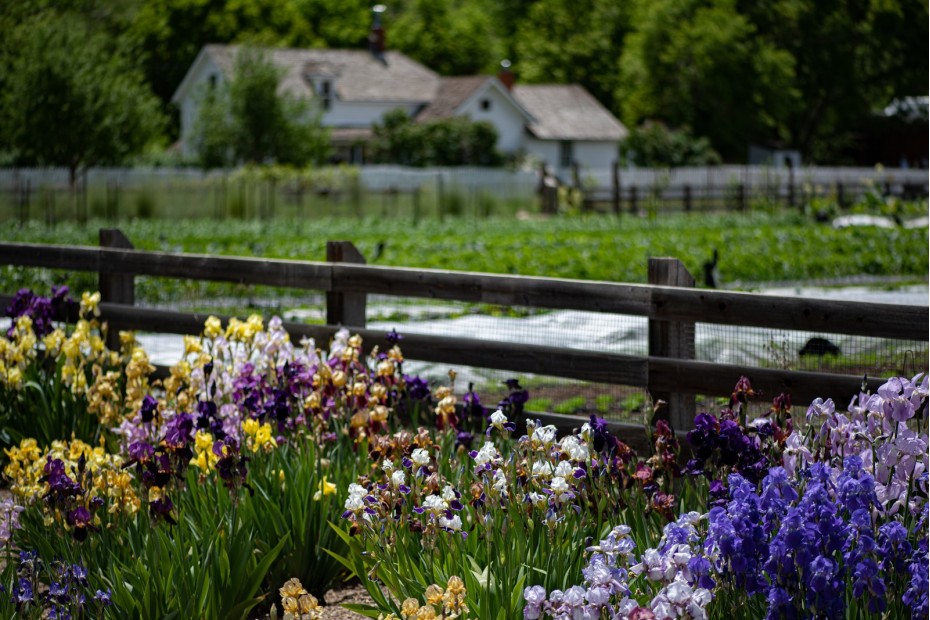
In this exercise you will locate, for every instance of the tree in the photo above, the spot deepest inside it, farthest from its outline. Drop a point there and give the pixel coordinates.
(250, 120)
(851, 58)
(451, 39)
(573, 41)
(70, 98)
(699, 63)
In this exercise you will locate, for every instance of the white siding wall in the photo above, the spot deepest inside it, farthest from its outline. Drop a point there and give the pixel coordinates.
(596, 155)
(505, 118)
(357, 114)
(591, 156)
(189, 105)
(545, 150)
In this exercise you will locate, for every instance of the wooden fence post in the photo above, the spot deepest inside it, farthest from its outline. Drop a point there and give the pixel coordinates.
(117, 288)
(687, 198)
(345, 308)
(672, 339)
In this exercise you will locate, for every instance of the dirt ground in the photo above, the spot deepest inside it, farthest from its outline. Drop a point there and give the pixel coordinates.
(353, 593)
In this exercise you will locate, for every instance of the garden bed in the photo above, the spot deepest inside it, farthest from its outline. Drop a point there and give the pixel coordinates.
(261, 473)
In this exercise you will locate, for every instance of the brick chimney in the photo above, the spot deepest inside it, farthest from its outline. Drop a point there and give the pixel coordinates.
(505, 75)
(376, 34)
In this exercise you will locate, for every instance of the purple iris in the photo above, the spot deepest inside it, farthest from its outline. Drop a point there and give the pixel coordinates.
(103, 598)
(161, 508)
(417, 388)
(42, 310)
(393, 337)
(81, 520)
(179, 430)
(22, 592)
(149, 408)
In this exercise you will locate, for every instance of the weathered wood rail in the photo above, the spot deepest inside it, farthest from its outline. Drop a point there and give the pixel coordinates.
(668, 371)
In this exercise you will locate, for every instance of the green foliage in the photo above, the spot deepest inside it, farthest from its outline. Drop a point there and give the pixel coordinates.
(451, 38)
(571, 405)
(454, 141)
(249, 120)
(571, 41)
(655, 145)
(286, 506)
(805, 74)
(505, 543)
(786, 246)
(702, 64)
(221, 573)
(71, 96)
(538, 405)
(850, 58)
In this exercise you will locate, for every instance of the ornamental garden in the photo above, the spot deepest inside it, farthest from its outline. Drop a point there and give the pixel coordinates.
(258, 473)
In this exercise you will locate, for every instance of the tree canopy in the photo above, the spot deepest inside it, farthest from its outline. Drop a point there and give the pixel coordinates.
(70, 96)
(805, 74)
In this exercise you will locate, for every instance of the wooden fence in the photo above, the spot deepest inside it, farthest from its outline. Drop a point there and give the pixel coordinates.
(671, 306)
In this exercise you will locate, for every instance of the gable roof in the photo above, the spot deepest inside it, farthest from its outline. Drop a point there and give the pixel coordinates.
(357, 74)
(567, 112)
(452, 93)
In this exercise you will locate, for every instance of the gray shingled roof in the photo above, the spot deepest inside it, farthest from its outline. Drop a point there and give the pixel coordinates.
(359, 76)
(451, 94)
(567, 112)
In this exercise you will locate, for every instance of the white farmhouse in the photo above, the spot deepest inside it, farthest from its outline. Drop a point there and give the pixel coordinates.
(557, 124)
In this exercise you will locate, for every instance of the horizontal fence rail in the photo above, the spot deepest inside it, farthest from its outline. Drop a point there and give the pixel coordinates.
(664, 303)
(667, 371)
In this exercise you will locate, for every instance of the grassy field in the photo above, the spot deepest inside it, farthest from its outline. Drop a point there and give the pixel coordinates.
(753, 247)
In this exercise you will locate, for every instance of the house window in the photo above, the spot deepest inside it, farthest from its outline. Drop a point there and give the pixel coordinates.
(566, 157)
(485, 105)
(325, 93)
(211, 81)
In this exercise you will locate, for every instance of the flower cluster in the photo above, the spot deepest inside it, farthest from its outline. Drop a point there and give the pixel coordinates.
(54, 590)
(725, 444)
(71, 481)
(297, 603)
(9, 519)
(843, 518)
(801, 550)
(876, 429)
(41, 311)
(673, 580)
(441, 603)
(250, 383)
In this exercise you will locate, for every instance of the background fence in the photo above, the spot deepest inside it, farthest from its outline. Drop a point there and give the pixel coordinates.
(395, 191)
(741, 187)
(669, 310)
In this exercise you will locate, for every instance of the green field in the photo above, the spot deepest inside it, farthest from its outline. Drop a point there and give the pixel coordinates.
(754, 248)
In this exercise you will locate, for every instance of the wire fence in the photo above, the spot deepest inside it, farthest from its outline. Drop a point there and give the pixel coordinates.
(564, 329)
